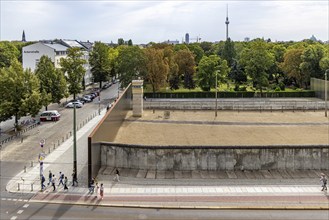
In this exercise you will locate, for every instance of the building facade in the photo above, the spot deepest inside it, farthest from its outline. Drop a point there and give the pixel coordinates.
(55, 50)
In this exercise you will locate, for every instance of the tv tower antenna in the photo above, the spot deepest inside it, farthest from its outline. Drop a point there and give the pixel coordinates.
(227, 22)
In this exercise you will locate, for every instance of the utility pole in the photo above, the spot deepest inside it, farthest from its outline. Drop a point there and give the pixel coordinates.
(216, 95)
(325, 93)
(74, 143)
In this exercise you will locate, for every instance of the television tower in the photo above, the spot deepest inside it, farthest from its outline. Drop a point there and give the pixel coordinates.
(227, 22)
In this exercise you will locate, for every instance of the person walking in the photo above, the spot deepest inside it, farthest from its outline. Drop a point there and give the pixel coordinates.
(50, 175)
(117, 175)
(65, 183)
(324, 180)
(43, 179)
(61, 178)
(74, 178)
(101, 191)
(53, 182)
(92, 186)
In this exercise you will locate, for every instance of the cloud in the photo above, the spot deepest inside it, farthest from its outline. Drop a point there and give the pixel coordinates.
(145, 21)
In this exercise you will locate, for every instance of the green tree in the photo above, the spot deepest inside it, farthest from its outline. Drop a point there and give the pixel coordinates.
(276, 72)
(207, 69)
(74, 71)
(8, 53)
(310, 65)
(19, 92)
(173, 77)
(197, 51)
(186, 67)
(52, 81)
(228, 53)
(121, 41)
(257, 60)
(113, 56)
(131, 64)
(99, 60)
(291, 65)
(324, 63)
(207, 47)
(157, 67)
(130, 42)
(237, 74)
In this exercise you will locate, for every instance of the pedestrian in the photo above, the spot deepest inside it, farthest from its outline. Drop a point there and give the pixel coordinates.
(65, 183)
(101, 191)
(50, 175)
(324, 180)
(61, 178)
(43, 179)
(117, 175)
(92, 186)
(53, 182)
(74, 178)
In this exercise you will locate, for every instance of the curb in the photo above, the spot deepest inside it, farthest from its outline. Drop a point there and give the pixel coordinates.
(199, 207)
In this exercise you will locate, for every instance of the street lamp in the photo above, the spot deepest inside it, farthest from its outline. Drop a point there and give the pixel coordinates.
(74, 143)
(325, 92)
(216, 94)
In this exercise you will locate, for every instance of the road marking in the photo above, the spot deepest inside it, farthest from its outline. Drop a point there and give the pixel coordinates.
(13, 218)
(26, 205)
(20, 211)
(9, 199)
(3, 198)
(14, 200)
(20, 200)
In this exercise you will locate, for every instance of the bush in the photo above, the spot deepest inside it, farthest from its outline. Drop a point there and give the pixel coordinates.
(282, 86)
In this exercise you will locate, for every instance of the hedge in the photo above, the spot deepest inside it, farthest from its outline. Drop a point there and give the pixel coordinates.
(240, 94)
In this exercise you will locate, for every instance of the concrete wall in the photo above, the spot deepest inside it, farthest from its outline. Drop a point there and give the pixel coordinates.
(106, 130)
(214, 157)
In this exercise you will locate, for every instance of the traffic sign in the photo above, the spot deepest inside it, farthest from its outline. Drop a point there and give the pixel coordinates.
(42, 142)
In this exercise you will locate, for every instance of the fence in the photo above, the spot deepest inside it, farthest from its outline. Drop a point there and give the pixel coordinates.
(235, 105)
(18, 134)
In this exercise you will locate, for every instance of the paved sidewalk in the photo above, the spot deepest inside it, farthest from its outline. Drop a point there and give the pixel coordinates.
(200, 193)
(196, 197)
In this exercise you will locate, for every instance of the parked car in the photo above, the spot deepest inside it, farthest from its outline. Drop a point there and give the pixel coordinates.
(89, 97)
(85, 99)
(72, 104)
(52, 115)
(77, 100)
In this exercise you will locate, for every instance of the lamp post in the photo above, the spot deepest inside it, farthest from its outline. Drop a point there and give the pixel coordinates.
(325, 92)
(216, 94)
(74, 143)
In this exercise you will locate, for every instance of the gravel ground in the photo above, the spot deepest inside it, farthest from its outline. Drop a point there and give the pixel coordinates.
(229, 128)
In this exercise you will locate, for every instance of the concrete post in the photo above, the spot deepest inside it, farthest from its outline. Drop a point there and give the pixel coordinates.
(137, 88)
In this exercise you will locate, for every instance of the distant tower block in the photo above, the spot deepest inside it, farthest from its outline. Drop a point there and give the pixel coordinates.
(187, 38)
(137, 87)
(23, 37)
(227, 22)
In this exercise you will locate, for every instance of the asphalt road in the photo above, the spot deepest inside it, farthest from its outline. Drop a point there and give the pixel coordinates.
(15, 155)
(27, 210)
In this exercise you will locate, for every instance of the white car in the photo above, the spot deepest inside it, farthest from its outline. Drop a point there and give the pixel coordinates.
(72, 104)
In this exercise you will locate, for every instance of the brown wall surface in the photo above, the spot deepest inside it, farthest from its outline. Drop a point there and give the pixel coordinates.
(106, 130)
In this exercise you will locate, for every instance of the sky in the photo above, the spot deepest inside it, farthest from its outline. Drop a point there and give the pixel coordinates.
(158, 21)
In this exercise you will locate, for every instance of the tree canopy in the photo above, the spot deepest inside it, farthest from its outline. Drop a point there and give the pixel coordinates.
(73, 67)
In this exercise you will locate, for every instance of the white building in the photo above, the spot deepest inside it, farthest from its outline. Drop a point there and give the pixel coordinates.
(55, 51)
(32, 54)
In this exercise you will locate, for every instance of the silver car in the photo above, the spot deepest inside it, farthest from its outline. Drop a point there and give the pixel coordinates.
(72, 104)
